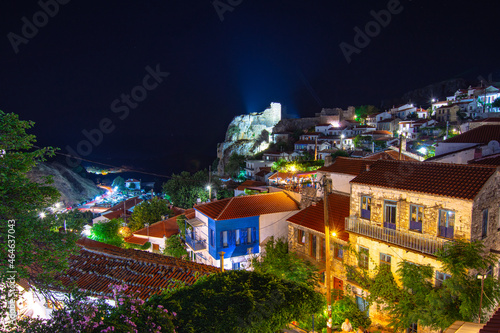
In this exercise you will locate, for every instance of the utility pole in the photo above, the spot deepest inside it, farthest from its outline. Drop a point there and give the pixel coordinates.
(481, 299)
(209, 182)
(326, 191)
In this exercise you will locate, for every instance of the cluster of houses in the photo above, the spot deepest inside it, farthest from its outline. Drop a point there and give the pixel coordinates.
(390, 206)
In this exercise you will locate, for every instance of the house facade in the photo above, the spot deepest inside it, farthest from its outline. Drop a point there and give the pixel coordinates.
(409, 210)
(234, 229)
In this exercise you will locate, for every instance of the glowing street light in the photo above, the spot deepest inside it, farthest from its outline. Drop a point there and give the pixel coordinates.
(209, 188)
(42, 215)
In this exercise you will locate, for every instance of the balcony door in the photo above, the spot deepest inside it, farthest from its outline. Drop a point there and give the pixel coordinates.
(390, 208)
(446, 223)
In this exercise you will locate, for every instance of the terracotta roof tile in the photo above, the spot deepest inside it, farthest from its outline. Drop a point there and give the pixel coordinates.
(390, 154)
(282, 175)
(487, 120)
(136, 240)
(129, 203)
(98, 265)
(450, 180)
(488, 160)
(250, 205)
(165, 228)
(346, 165)
(249, 183)
(482, 134)
(313, 216)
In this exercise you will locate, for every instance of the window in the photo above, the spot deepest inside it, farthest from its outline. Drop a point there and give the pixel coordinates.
(366, 207)
(301, 237)
(224, 239)
(485, 223)
(249, 235)
(416, 217)
(322, 249)
(362, 305)
(312, 245)
(212, 238)
(238, 236)
(363, 257)
(390, 214)
(446, 223)
(385, 260)
(440, 277)
(236, 265)
(339, 251)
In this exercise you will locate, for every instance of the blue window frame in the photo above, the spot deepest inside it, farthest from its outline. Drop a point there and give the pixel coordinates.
(224, 238)
(366, 207)
(446, 223)
(212, 238)
(236, 266)
(441, 277)
(362, 305)
(390, 208)
(416, 217)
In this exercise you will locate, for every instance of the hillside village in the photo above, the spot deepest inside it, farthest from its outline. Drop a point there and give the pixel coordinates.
(398, 186)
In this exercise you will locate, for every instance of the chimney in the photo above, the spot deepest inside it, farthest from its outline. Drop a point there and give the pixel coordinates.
(367, 166)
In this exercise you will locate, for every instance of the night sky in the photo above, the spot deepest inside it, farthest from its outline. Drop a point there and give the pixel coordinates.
(73, 73)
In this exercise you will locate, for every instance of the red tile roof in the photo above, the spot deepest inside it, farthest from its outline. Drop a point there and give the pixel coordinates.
(98, 265)
(482, 134)
(346, 165)
(487, 120)
(488, 160)
(313, 216)
(249, 183)
(136, 240)
(449, 180)
(390, 154)
(115, 214)
(165, 228)
(382, 132)
(249, 205)
(282, 175)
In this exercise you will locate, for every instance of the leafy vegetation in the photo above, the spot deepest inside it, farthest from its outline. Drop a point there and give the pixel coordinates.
(278, 261)
(364, 111)
(239, 301)
(119, 182)
(174, 247)
(297, 166)
(185, 188)
(37, 240)
(417, 300)
(107, 232)
(150, 211)
(235, 166)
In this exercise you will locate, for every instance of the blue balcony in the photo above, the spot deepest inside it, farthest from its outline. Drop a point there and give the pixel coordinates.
(195, 244)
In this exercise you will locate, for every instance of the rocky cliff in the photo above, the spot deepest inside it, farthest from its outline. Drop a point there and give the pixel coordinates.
(248, 134)
(73, 187)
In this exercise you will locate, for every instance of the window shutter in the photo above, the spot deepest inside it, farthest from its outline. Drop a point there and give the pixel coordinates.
(231, 237)
(243, 236)
(254, 235)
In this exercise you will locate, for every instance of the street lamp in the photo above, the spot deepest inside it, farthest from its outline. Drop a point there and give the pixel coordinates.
(481, 277)
(209, 188)
(326, 188)
(42, 215)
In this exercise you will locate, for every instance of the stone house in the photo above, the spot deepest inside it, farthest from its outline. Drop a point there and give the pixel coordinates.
(306, 236)
(402, 210)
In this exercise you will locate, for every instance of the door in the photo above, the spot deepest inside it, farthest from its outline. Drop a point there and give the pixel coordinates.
(390, 215)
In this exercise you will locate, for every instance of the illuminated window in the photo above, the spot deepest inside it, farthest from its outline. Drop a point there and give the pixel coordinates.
(446, 223)
(301, 237)
(339, 251)
(237, 236)
(390, 208)
(224, 239)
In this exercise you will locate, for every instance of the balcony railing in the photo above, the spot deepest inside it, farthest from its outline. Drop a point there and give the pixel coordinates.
(195, 244)
(418, 242)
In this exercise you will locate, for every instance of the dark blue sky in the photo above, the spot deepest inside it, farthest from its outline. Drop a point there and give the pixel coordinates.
(89, 53)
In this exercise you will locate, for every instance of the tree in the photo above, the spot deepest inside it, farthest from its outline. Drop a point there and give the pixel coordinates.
(364, 111)
(119, 182)
(496, 103)
(342, 153)
(150, 211)
(184, 189)
(417, 300)
(239, 301)
(107, 232)
(37, 241)
(235, 165)
(278, 261)
(174, 247)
